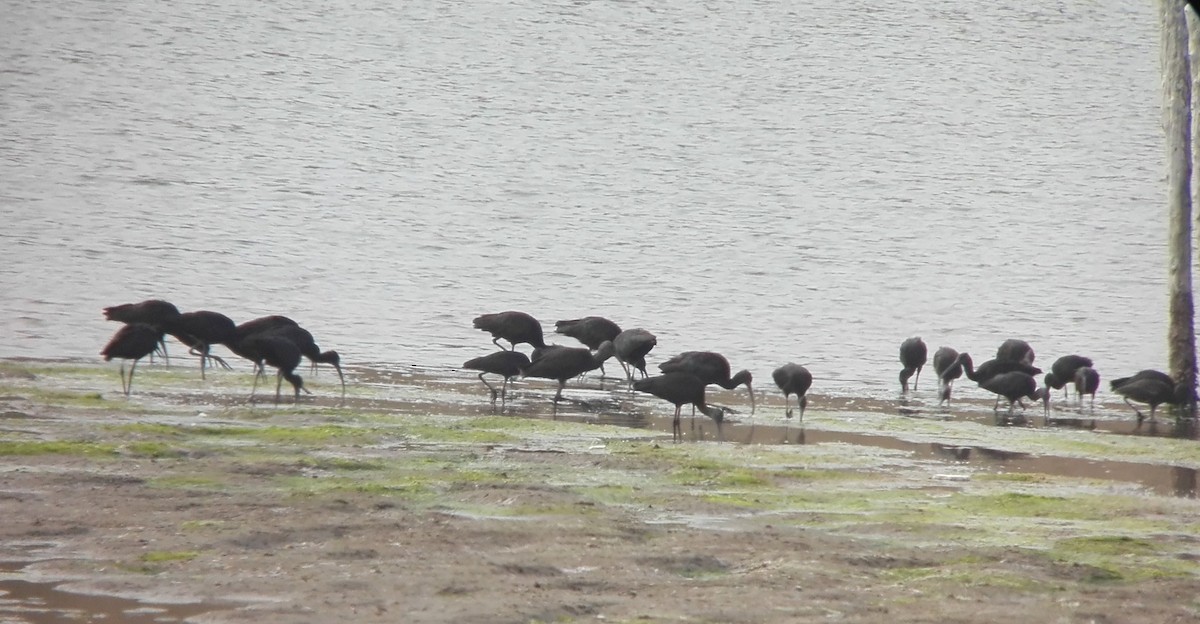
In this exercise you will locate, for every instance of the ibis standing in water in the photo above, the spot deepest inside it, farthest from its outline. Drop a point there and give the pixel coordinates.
(793, 379)
(711, 368)
(133, 341)
(513, 326)
(507, 364)
(1152, 388)
(563, 363)
(1062, 372)
(156, 313)
(912, 357)
(592, 331)
(680, 389)
(631, 347)
(948, 368)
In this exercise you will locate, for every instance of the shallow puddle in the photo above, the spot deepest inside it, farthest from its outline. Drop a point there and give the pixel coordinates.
(43, 602)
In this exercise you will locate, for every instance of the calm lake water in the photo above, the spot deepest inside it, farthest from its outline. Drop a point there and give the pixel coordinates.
(778, 181)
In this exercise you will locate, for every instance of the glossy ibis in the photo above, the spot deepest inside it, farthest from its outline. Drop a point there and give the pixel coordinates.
(1013, 386)
(505, 363)
(592, 331)
(1152, 388)
(711, 368)
(948, 368)
(133, 341)
(994, 368)
(515, 327)
(1062, 372)
(278, 351)
(793, 379)
(154, 312)
(563, 363)
(630, 347)
(1087, 381)
(679, 389)
(912, 357)
(1015, 350)
(200, 330)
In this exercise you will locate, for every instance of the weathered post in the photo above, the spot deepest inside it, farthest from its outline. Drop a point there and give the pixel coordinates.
(1177, 96)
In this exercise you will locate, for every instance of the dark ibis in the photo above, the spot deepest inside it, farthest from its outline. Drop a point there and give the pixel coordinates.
(1016, 350)
(200, 330)
(133, 341)
(515, 327)
(563, 363)
(680, 389)
(631, 346)
(275, 350)
(1087, 381)
(1062, 372)
(912, 357)
(308, 348)
(947, 367)
(711, 368)
(153, 312)
(1152, 388)
(793, 379)
(1013, 386)
(993, 368)
(592, 331)
(505, 363)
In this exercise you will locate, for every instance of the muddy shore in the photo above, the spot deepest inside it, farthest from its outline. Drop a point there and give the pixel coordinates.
(413, 500)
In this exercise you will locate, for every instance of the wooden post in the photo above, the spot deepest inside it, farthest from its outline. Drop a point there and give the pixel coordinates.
(1177, 96)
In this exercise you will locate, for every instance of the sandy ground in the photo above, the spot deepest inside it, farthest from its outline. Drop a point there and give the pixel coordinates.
(413, 501)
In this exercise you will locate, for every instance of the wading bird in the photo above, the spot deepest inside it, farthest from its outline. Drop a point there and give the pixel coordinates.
(631, 347)
(948, 368)
(1087, 381)
(912, 357)
(133, 341)
(563, 363)
(153, 312)
(505, 363)
(793, 379)
(515, 327)
(679, 389)
(1152, 388)
(592, 331)
(1062, 372)
(711, 368)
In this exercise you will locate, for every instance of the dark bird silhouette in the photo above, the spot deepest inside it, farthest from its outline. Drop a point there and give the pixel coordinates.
(711, 368)
(563, 363)
(912, 356)
(507, 364)
(1152, 388)
(133, 341)
(304, 341)
(630, 347)
(293, 331)
(1087, 381)
(592, 331)
(948, 368)
(993, 368)
(1016, 350)
(275, 350)
(200, 330)
(153, 312)
(680, 389)
(1062, 372)
(1013, 386)
(793, 379)
(515, 327)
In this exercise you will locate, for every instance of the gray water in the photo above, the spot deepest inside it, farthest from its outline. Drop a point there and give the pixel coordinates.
(778, 181)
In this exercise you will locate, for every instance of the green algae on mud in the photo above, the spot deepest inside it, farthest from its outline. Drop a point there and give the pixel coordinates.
(443, 461)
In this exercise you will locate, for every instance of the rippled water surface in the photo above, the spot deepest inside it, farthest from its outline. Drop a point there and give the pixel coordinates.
(776, 181)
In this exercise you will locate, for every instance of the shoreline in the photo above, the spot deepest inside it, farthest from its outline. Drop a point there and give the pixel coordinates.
(412, 501)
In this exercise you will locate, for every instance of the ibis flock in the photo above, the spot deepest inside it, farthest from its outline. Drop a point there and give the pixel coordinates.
(281, 343)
